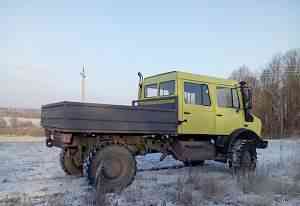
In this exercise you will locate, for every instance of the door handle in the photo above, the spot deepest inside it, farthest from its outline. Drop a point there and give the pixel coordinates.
(219, 115)
(183, 121)
(187, 113)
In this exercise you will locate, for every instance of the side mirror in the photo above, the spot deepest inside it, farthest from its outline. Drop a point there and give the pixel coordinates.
(248, 98)
(141, 79)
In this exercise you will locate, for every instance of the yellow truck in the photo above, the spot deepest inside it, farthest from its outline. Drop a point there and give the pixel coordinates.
(191, 117)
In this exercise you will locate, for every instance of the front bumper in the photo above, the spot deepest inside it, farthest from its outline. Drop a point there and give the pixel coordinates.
(262, 144)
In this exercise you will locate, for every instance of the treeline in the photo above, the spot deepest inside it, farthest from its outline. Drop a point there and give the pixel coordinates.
(276, 93)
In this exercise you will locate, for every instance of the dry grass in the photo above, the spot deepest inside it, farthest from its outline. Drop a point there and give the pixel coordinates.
(258, 183)
(263, 188)
(134, 194)
(184, 194)
(22, 200)
(198, 187)
(33, 131)
(55, 200)
(256, 201)
(25, 200)
(211, 188)
(262, 182)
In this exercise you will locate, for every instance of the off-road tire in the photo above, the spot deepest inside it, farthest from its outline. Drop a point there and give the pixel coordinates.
(244, 157)
(194, 163)
(110, 167)
(68, 165)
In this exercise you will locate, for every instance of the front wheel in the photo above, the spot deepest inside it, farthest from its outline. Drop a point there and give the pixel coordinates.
(244, 157)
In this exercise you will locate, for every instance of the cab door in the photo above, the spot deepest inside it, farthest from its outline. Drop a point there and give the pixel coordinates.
(229, 115)
(198, 114)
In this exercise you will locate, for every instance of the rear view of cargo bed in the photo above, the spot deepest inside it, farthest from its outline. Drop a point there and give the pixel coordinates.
(108, 119)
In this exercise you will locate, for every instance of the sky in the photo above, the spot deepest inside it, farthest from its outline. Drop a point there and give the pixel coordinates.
(43, 44)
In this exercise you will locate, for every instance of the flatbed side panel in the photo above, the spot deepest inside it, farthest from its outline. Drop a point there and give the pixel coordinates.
(99, 118)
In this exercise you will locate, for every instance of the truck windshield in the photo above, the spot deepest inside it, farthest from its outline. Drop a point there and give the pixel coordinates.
(151, 90)
(167, 88)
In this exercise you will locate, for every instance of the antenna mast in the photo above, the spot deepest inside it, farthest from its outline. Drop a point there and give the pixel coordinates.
(83, 77)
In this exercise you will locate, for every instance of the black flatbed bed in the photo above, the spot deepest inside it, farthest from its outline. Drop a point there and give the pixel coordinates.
(76, 117)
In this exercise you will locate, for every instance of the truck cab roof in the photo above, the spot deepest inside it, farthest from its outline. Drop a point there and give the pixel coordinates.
(172, 75)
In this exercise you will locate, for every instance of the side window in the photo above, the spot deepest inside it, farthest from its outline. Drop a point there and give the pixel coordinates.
(205, 94)
(167, 88)
(235, 98)
(151, 90)
(196, 94)
(228, 97)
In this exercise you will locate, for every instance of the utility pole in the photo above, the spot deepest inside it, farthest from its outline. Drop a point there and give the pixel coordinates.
(83, 77)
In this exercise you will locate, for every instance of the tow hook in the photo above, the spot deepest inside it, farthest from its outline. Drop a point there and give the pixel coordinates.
(49, 143)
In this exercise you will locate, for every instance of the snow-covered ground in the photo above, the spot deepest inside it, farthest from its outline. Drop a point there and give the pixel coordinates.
(30, 171)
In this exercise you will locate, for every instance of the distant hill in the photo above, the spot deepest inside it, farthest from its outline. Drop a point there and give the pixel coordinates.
(20, 112)
(20, 122)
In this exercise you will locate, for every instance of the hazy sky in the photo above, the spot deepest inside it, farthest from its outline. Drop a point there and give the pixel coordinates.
(43, 44)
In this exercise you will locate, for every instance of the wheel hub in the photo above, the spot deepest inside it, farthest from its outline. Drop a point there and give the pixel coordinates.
(112, 168)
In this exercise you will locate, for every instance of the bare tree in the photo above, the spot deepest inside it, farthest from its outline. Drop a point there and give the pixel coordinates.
(3, 123)
(244, 73)
(276, 93)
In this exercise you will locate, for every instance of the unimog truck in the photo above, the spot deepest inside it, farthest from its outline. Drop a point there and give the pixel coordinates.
(191, 117)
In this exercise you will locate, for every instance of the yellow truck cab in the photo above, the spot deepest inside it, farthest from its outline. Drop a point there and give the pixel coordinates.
(206, 105)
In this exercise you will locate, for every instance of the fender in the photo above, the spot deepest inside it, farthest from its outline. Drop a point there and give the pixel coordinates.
(245, 134)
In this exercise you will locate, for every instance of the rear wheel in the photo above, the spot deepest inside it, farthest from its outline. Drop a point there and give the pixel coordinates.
(110, 167)
(244, 157)
(68, 162)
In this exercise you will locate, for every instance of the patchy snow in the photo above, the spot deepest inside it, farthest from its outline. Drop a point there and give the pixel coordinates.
(31, 169)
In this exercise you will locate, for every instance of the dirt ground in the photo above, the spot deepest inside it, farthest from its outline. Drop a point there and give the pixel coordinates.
(30, 175)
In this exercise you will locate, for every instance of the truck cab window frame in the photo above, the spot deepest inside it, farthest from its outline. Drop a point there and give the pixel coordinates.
(196, 94)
